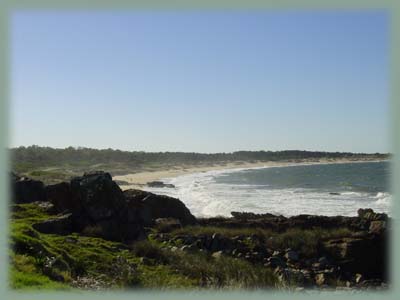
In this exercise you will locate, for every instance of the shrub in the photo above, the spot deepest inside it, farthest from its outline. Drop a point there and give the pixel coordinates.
(224, 272)
(150, 250)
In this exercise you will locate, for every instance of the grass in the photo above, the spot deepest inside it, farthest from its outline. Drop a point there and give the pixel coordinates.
(204, 271)
(76, 255)
(306, 241)
(28, 281)
(224, 272)
(146, 264)
(24, 274)
(224, 231)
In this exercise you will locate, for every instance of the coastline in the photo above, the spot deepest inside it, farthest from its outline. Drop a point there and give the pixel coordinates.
(140, 179)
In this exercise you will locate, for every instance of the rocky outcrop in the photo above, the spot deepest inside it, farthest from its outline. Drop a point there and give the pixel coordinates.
(150, 207)
(96, 205)
(355, 254)
(356, 259)
(26, 190)
(93, 200)
(365, 254)
(60, 195)
(98, 197)
(369, 221)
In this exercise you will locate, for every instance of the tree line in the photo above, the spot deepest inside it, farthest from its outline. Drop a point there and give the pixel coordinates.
(36, 156)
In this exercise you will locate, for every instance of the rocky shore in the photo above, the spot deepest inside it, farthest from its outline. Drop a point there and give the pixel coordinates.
(145, 232)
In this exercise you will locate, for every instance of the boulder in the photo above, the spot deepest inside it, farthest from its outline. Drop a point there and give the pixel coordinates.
(59, 225)
(291, 255)
(61, 196)
(26, 190)
(160, 184)
(275, 261)
(365, 255)
(377, 227)
(120, 230)
(251, 216)
(99, 196)
(150, 207)
(218, 242)
(370, 215)
(98, 206)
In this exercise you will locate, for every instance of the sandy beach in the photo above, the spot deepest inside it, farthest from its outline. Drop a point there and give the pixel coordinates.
(140, 179)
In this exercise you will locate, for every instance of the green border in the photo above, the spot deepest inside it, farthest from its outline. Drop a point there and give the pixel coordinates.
(6, 8)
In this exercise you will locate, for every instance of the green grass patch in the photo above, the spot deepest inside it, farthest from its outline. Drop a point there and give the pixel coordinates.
(224, 231)
(306, 241)
(222, 273)
(144, 264)
(27, 281)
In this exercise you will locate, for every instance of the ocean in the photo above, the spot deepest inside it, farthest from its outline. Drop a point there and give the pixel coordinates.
(321, 189)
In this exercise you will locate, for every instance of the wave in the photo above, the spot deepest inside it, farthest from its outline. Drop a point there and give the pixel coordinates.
(383, 198)
(207, 197)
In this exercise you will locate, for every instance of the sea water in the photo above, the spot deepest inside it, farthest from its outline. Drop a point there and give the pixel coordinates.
(321, 189)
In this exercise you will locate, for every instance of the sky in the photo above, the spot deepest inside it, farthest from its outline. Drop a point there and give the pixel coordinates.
(205, 81)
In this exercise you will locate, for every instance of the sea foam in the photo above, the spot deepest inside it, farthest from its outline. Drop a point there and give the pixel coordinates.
(206, 196)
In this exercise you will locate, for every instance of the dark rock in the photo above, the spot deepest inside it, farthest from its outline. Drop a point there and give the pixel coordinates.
(60, 225)
(189, 248)
(275, 261)
(219, 242)
(371, 283)
(98, 206)
(151, 206)
(145, 261)
(167, 224)
(323, 263)
(99, 197)
(121, 182)
(292, 255)
(159, 184)
(26, 190)
(309, 262)
(370, 215)
(61, 196)
(377, 227)
(250, 215)
(366, 255)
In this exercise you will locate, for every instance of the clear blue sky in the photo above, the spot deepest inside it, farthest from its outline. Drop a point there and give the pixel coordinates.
(201, 81)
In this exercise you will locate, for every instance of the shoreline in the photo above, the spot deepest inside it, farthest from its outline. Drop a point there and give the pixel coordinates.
(140, 179)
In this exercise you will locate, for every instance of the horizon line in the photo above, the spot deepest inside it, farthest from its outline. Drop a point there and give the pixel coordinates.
(207, 153)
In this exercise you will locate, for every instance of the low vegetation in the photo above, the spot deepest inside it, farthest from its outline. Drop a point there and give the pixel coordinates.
(48, 261)
(54, 165)
(306, 241)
